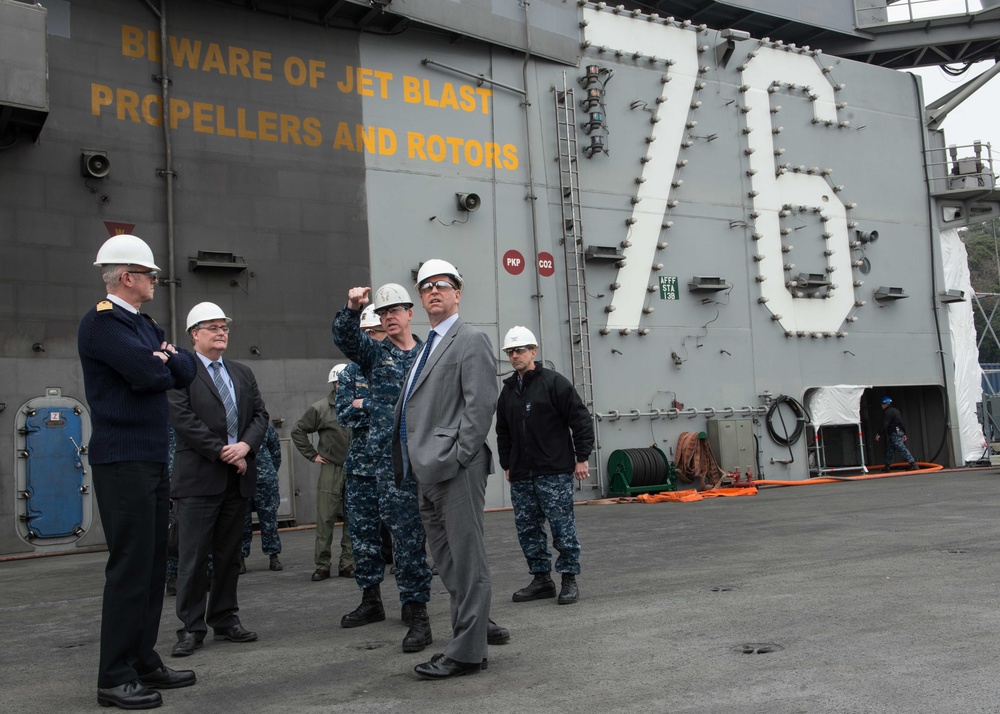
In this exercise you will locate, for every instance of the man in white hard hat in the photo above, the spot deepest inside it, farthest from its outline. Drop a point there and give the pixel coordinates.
(128, 367)
(330, 453)
(220, 423)
(374, 499)
(544, 437)
(353, 404)
(442, 419)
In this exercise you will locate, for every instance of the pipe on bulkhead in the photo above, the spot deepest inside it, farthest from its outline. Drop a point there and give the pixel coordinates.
(532, 199)
(168, 171)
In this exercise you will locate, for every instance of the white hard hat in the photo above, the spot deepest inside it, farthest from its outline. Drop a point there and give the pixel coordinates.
(436, 266)
(126, 249)
(391, 294)
(335, 373)
(203, 312)
(518, 336)
(369, 319)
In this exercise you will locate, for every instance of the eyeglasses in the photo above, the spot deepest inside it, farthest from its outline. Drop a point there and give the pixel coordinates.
(215, 329)
(382, 312)
(518, 350)
(153, 275)
(441, 285)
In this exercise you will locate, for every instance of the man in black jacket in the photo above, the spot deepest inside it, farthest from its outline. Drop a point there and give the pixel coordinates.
(544, 435)
(895, 434)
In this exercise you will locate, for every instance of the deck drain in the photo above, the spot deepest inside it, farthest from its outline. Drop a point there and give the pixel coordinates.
(956, 550)
(759, 648)
(721, 588)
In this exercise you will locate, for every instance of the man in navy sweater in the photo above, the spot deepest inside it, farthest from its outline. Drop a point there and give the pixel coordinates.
(128, 366)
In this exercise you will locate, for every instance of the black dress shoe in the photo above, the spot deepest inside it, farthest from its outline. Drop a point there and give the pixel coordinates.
(442, 667)
(131, 695)
(496, 635)
(166, 678)
(187, 643)
(236, 633)
(320, 574)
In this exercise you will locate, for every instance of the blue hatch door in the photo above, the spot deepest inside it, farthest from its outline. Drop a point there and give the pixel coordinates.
(54, 473)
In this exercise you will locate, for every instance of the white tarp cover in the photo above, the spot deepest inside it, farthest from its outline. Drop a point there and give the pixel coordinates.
(840, 404)
(968, 374)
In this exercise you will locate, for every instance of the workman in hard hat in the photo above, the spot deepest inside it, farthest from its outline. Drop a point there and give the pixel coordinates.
(353, 402)
(442, 420)
(544, 435)
(128, 368)
(330, 453)
(895, 431)
(373, 497)
(220, 423)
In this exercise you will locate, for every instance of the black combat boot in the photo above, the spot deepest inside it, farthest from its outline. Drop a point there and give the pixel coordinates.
(419, 634)
(538, 589)
(406, 613)
(569, 593)
(370, 610)
(275, 563)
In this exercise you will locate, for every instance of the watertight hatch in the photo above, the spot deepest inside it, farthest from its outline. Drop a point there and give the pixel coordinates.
(53, 472)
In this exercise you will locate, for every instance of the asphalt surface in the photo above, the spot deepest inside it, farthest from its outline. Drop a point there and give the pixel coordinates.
(873, 596)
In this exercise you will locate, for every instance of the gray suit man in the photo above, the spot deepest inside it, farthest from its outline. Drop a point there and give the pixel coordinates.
(442, 419)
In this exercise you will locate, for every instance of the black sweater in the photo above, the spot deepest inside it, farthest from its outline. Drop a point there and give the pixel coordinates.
(543, 427)
(126, 384)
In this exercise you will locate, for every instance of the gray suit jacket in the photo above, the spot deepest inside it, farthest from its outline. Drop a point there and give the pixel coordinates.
(450, 411)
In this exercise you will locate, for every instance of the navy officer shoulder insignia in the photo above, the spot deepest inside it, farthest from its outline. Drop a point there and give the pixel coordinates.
(105, 305)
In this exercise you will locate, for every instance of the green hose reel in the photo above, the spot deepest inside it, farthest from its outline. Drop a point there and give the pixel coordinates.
(640, 471)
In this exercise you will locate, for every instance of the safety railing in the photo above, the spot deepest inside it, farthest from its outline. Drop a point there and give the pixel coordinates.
(873, 13)
(636, 414)
(960, 168)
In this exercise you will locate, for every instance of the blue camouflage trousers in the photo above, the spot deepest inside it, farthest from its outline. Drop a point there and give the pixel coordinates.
(370, 501)
(536, 500)
(896, 445)
(266, 504)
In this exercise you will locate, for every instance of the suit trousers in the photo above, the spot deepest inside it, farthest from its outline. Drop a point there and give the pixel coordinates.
(133, 498)
(452, 514)
(209, 524)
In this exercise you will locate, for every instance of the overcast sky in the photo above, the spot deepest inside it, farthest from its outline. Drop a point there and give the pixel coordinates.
(977, 118)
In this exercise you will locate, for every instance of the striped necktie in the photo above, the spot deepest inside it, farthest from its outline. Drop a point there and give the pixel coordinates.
(232, 425)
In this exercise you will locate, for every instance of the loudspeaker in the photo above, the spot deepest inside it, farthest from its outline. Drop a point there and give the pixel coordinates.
(468, 202)
(94, 164)
(867, 236)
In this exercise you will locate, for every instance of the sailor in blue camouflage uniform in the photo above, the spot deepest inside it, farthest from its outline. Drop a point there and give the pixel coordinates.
(374, 498)
(351, 396)
(265, 502)
(544, 438)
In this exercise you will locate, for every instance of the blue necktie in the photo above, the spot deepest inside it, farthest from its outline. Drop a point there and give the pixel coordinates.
(232, 425)
(413, 383)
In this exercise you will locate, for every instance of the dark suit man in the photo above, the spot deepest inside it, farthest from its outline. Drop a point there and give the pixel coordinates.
(443, 417)
(128, 368)
(220, 423)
